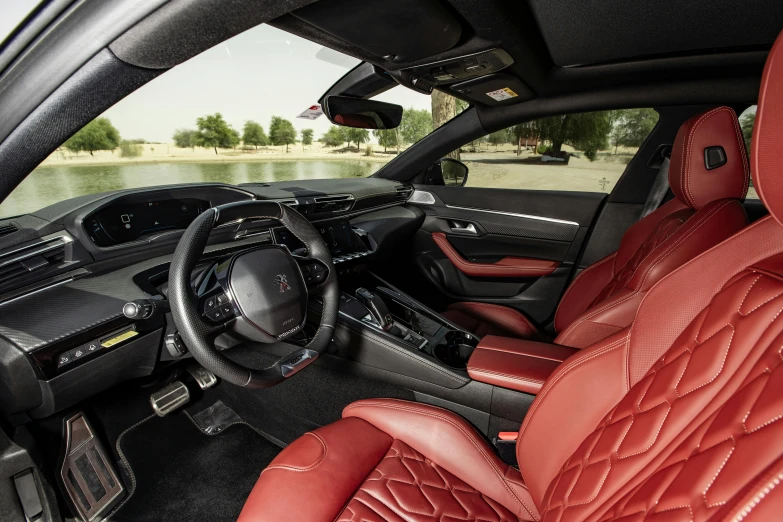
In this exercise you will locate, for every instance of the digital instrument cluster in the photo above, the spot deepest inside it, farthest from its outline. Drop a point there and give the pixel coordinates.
(123, 222)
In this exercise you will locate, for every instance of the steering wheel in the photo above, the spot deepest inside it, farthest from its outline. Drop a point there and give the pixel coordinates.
(259, 293)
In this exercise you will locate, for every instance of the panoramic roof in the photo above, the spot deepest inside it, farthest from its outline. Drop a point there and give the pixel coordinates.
(601, 31)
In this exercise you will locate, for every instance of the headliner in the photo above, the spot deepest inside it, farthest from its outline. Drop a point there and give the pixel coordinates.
(600, 31)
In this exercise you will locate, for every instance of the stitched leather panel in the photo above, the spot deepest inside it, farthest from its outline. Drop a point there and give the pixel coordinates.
(406, 486)
(665, 229)
(734, 339)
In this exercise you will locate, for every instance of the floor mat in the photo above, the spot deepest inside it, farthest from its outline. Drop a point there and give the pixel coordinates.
(180, 474)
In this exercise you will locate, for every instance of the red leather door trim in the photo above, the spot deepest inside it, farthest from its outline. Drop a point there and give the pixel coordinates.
(506, 267)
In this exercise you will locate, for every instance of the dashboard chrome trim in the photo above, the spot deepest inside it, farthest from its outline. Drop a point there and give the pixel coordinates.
(37, 290)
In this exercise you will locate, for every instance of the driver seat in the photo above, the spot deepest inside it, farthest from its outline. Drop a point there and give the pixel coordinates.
(677, 417)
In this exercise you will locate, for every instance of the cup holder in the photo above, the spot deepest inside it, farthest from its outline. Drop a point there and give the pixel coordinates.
(455, 350)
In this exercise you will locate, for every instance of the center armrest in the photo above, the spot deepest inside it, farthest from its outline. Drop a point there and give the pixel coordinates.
(516, 364)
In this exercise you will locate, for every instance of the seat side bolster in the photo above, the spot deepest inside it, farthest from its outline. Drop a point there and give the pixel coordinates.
(578, 394)
(313, 467)
(450, 442)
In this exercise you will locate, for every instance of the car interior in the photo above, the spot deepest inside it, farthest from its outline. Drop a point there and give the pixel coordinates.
(417, 344)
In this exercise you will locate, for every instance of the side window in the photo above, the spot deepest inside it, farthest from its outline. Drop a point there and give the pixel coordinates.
(746, 119)
(573, 152)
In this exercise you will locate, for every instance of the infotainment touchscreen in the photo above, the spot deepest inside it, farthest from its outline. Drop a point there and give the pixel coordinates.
(337, 234)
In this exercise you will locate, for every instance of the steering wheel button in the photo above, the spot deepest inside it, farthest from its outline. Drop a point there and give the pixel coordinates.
(222, 299)
(215, 315)
(227, 310)
(210, 304)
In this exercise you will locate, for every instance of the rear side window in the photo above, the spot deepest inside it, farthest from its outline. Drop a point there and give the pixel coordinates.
(747, 119)
(573, 152)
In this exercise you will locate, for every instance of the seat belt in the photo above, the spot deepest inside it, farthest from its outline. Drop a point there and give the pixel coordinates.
(659, 189)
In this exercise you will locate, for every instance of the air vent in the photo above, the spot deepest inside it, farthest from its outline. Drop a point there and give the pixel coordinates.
(8, 228)
(339, 203)
(288, 202)
(404, 192)
(33, 258)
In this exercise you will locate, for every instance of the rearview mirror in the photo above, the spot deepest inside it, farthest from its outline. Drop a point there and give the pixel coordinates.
(363, 114)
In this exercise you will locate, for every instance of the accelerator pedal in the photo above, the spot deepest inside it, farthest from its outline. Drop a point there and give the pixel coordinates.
(168, 399)
(87, 474)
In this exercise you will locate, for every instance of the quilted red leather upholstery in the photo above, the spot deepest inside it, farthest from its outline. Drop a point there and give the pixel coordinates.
(405, 485)
(677, 417)
(604, 298)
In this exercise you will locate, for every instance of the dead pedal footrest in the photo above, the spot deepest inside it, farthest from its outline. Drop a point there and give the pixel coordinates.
(87, 474)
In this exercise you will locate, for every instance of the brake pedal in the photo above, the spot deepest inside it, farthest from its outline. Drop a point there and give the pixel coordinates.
(168, 399)
(203, 377)
(87, 474)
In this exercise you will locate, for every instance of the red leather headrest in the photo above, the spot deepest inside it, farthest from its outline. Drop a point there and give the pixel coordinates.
(697, 180)
(765, 150)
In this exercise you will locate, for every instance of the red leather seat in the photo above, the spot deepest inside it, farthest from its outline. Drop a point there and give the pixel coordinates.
(676, 417)
(603, 298)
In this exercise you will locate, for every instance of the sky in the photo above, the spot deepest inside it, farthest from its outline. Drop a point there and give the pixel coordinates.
(258, 74)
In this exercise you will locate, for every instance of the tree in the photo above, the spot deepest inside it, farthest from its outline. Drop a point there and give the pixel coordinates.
(282, 132)
(307, 137)
(386, 137)
(185, 138)
(214, 132)
(587, 131)
(416, 123)
(334, 137)
(130, 149)
(357, 136)
(99, 134)
(498, 137)
(253, 134)
(746, 124)
(630, 127)
(444, 108)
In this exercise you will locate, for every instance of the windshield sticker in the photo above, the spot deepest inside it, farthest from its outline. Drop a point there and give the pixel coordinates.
(314, 112)
(502, 94)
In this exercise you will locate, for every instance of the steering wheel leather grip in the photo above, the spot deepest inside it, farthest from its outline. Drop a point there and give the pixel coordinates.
(199, 334)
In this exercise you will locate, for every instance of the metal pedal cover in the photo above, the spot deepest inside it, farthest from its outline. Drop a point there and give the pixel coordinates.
(170, 398)
(87, 474)
(204, 378)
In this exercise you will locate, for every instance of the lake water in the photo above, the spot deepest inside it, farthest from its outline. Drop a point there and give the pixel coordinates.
(47, 185)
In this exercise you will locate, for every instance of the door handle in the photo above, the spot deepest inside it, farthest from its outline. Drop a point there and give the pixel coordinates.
(461, 227)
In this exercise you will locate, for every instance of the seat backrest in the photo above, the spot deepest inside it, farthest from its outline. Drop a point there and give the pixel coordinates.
(708, 175)
(679, 416)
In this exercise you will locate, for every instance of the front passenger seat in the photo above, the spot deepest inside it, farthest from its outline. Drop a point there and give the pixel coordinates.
(709, 177)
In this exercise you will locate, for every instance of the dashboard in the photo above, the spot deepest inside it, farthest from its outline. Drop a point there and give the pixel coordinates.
(67, 271)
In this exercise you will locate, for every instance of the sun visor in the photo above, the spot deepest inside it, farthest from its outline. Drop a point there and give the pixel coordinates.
(494, 89)
(408, 30)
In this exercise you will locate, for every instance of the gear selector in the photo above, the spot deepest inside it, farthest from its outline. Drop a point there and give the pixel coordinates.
(377, 308)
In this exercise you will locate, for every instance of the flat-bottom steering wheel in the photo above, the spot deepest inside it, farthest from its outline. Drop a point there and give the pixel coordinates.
(260, 293)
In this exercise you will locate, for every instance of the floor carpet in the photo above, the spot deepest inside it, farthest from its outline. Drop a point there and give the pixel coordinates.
(180, 474)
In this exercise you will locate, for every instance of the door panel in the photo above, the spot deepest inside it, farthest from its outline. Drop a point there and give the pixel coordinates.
(512, 247)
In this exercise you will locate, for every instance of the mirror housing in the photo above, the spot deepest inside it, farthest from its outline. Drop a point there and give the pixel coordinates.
(361, 113)
(447, 172)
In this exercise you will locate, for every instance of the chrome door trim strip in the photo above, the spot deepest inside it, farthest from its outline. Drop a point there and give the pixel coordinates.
(513, 214)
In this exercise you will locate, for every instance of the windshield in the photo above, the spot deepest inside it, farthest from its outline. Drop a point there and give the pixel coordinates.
(237, 113)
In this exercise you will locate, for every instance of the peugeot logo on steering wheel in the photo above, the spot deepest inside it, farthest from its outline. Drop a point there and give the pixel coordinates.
(282, 281)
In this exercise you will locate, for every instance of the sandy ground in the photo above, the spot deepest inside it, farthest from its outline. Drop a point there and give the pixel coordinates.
(169, 153)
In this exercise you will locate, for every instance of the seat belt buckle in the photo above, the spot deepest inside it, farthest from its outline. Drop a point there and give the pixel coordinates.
(506, 445)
